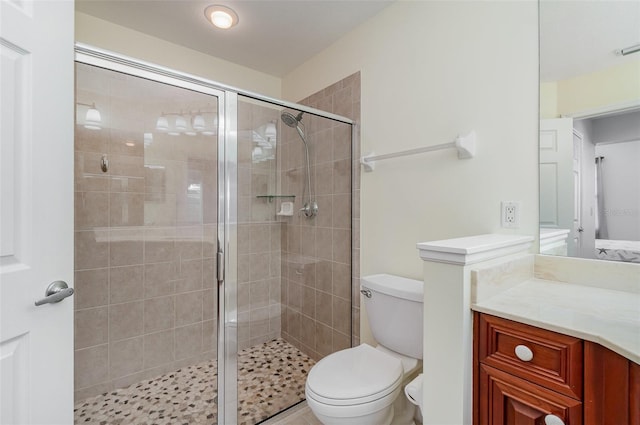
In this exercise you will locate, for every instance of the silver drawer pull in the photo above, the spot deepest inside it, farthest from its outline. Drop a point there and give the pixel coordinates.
(524, 353)
(55, 293)
(553, 420)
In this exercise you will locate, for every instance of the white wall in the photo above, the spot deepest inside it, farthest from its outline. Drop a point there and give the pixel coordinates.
(617, 85)
(617, 138)
(611, 86)
(617, 128)
(621, 172)
(549, 100)
(106, 35)
(431, 70)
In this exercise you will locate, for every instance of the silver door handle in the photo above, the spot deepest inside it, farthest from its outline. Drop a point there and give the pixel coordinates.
(55, 293)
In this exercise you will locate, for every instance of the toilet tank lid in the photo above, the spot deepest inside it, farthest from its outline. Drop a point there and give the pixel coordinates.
(396, 286)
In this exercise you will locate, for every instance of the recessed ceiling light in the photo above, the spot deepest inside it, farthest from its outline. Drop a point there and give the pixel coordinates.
(221, 16)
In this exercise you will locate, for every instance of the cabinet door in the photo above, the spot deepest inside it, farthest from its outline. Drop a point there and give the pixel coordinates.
(634, 393)
(507, 400)
(612, 388)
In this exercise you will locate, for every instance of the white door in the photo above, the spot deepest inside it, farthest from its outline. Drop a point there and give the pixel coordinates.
(556, 177)
(576, 228)
(36, 210)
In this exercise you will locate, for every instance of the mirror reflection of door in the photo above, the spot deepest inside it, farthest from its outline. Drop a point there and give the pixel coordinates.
(576, 170)
(557, 181)
(590, 129)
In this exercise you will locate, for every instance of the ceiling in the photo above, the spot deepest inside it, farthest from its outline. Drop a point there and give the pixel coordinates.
(272, 36)
(276, 36)
(578, 37)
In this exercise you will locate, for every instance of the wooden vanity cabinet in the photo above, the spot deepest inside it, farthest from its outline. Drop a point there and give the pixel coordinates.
(525, 375)
(612, 387)
(505, 399)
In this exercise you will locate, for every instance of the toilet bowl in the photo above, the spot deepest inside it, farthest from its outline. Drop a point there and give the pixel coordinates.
(363, 385)
(342, 388)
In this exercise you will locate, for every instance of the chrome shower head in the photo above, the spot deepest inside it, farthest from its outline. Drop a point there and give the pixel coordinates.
(290, 120)
(310, 207)
(294, 122)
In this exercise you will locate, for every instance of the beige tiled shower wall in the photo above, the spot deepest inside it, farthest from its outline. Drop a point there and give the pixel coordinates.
(320, 256)
(259, 232)
(145, 234)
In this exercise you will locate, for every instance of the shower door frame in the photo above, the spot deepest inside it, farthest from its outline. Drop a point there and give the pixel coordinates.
(227, 219)
(226, 205)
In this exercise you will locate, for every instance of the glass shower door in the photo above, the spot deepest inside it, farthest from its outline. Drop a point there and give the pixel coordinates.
(293, 271)
(201, 294)
(146, 238)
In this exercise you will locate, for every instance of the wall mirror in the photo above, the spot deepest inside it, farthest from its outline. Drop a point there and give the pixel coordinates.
(590, 129)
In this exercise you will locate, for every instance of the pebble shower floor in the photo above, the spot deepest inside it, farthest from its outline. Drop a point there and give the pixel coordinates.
(271, 377)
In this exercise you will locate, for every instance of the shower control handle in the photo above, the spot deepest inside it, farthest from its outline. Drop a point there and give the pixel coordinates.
(310, 209)
(306, 210)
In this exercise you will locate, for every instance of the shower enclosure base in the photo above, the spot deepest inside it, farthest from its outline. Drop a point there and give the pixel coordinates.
(271, 377)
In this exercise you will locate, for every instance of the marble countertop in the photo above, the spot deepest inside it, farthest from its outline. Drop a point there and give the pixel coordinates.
(608, 317)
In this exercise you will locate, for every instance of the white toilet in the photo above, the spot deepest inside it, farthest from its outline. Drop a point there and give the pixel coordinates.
(363, 385)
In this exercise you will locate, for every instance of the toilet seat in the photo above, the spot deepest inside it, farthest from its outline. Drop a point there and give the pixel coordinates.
(353, 410)
(354, 376)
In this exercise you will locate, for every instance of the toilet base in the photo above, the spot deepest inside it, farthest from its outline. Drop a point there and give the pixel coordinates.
(381, 417)
(404, 410)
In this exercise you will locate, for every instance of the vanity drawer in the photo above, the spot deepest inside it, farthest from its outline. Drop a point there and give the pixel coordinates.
(507, 399)
(546, 358)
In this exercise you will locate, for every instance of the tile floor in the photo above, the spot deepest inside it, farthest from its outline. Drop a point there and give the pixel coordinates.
(271, 377)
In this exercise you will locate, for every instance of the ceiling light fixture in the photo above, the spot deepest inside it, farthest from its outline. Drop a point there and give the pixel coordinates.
(162, 124)
(221, 17)
(270, 131)
(628, 50)
(186, 122)
(198, 122)
(181, 123)
(148, 139)
(92, 120)
(211, 131)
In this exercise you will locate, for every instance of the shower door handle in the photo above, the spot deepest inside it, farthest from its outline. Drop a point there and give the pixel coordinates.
(580, 229)
(220, 266)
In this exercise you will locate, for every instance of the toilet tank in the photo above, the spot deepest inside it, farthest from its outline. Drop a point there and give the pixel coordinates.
(394, 310)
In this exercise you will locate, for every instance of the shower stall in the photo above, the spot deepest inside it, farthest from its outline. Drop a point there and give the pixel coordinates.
(213, 257)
